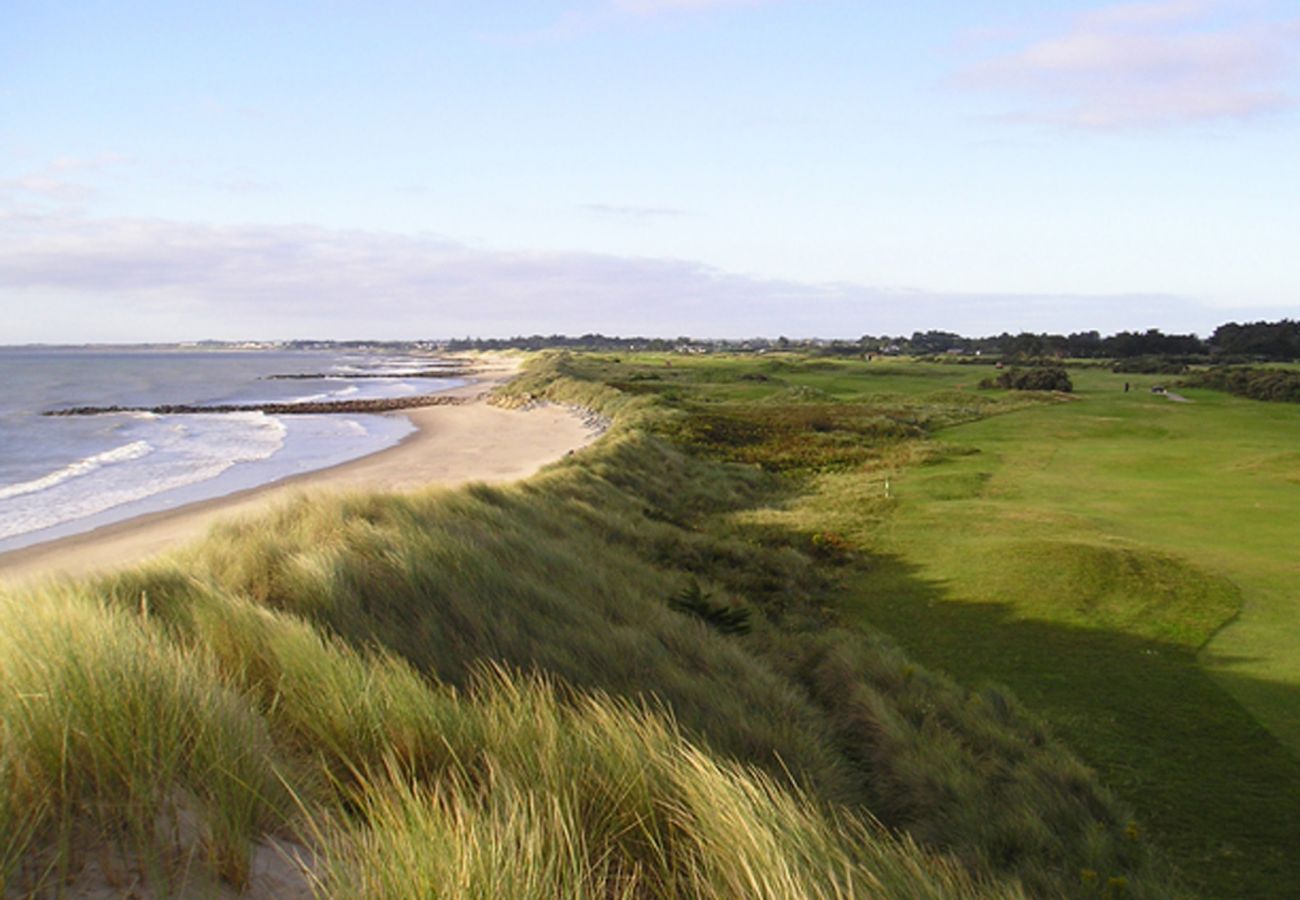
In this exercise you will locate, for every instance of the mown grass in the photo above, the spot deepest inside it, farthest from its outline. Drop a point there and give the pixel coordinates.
(1211, 485)
(1111, 558)
(351, 650)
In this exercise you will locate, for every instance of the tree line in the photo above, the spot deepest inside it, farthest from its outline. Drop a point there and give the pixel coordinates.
(1232, 341)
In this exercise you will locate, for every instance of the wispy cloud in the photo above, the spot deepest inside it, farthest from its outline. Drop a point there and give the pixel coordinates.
(606, 14)
(633, 213)
(43, 186)
(654, 7)
(1154, 64)
(60, 181)
(155, 279)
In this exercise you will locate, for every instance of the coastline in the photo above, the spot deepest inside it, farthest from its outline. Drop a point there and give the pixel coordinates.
(452, 444)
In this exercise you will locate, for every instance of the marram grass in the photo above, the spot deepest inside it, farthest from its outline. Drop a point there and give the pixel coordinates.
(404, 787)
(112, 730)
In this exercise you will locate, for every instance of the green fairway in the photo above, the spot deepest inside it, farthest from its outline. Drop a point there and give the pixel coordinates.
(1123, 561)
(1163, 519)
(1131, 512)
(1120, 560)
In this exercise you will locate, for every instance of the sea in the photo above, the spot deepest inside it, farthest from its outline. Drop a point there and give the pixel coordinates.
(65, 475)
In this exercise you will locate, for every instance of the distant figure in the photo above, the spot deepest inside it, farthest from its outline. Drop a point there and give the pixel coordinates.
(1126, 387)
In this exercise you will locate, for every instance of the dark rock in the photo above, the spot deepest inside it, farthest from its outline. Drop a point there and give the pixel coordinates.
(385, 404)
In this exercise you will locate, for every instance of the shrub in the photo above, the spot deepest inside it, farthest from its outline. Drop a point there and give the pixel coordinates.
(1037, 378)
(1275, 385)
(1150, 365)
(693, 600)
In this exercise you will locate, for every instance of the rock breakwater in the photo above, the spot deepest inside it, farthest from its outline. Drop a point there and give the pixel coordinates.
(314, 407)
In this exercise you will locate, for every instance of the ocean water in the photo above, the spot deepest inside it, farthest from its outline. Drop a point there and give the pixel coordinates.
(64, 475)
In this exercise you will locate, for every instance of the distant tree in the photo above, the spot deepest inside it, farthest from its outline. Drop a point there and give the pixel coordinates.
(1084, 344)
(1153, 342)
(936, 342)
(1024, 344)
(1261, 340)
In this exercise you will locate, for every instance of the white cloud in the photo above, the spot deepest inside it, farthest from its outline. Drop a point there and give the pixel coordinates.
(61, 181)
(1149, 65)
(89, 279)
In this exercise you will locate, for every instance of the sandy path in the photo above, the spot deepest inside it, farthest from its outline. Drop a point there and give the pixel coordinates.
(453, 445)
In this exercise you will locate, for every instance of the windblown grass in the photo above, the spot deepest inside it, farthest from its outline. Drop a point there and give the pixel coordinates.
(112, 731)
(597, 799)
(406, 788)
(335, 672)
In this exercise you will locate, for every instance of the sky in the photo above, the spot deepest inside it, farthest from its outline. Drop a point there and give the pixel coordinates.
(714, 168)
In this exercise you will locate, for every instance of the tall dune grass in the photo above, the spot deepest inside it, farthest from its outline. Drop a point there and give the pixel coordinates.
(112, 730)
(405, 787)
(337, 672)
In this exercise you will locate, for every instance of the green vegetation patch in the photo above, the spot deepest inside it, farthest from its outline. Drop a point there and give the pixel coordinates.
(661, 755)
(1271, 384)
(783, 436)
(660, 668)
(1083, 553)
(1034, 378)
(1126, 589)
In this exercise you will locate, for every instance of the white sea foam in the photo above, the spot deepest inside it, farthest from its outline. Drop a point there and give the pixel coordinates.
(178, 453)
(341, 394)
(124, 453)
(58, 476)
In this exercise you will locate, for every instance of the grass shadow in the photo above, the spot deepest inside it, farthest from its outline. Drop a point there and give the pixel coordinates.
(1217, 790)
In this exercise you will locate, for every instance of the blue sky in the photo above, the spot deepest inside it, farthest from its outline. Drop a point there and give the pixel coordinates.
(709, 167)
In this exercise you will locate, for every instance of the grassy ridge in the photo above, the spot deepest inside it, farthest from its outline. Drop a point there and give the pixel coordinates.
(344, 640)
(572, 574)
(406, 788)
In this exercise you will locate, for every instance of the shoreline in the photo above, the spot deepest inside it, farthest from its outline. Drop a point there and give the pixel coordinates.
(454, 443)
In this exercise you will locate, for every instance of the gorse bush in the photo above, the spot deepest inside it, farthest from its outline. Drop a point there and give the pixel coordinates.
(1153, 365)
(1036, 378)
(1275, 385)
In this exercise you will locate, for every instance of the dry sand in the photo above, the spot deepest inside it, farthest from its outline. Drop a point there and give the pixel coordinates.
(453, 445)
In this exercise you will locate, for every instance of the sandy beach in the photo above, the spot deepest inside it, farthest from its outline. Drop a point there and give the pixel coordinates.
(452, 445)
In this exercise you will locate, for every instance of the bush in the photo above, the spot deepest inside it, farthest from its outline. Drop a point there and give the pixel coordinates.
(1038, 378)
(1275, 385)
(1150, 365)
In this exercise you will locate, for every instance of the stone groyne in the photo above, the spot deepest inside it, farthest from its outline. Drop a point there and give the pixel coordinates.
(316, 407)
